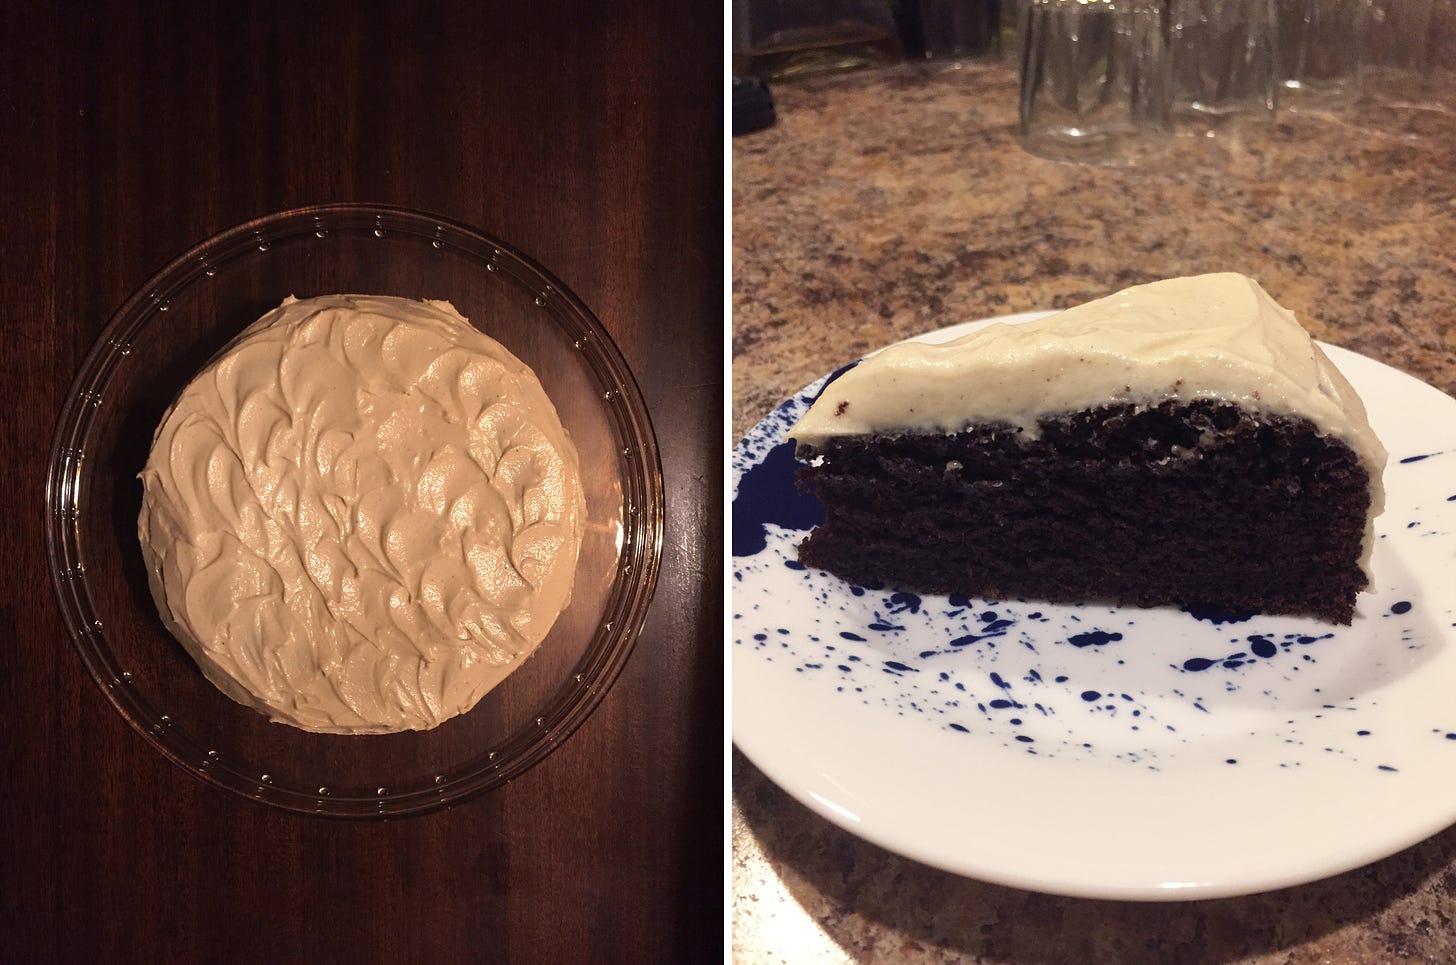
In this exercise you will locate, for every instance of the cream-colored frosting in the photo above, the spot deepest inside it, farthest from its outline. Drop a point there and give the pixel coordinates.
(1217, 336)
(362, 515)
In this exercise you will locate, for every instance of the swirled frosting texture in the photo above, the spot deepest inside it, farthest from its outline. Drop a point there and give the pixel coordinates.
(362, 516)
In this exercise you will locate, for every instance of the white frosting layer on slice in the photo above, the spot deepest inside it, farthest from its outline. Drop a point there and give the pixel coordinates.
(1217, 336)
(362, 516)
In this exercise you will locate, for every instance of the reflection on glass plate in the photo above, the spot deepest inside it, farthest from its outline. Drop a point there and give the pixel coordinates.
(1102, 751)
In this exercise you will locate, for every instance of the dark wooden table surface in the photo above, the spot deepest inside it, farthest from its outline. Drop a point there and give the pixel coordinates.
(589, 135)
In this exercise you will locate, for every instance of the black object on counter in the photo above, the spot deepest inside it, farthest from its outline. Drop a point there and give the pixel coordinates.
(753, 108)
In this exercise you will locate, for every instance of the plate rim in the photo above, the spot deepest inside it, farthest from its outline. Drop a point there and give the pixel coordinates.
(772, 763)
(643, 521)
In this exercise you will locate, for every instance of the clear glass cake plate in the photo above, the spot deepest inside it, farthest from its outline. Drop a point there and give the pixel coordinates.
(169, 329)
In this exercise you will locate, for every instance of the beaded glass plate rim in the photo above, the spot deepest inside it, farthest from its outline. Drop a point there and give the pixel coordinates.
(638, 563)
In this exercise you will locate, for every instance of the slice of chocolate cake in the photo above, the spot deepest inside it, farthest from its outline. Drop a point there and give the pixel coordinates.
(1183, 442)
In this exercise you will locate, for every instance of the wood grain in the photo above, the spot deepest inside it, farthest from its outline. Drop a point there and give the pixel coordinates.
(590, 136)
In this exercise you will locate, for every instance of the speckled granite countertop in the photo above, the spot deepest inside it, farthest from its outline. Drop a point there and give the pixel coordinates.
(891, 203)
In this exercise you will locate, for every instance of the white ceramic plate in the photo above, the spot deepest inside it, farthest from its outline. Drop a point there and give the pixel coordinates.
(1111, 752)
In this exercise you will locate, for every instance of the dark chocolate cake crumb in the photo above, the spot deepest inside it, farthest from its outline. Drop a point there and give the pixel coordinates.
(1184, 503)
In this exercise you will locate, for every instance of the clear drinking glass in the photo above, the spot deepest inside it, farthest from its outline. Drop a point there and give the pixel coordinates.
(1320, 50)
(1095, 80)
(778, 39)
(1223, 64)
(953, 28)
(1396, 62)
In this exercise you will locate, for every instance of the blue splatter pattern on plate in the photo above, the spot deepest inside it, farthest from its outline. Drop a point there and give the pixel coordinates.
(1201, 754)
(1144, 687)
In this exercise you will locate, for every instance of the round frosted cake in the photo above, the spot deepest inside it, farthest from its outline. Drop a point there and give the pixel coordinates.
(362, 515)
